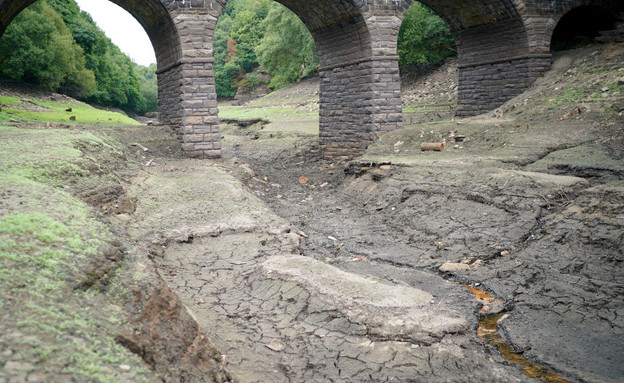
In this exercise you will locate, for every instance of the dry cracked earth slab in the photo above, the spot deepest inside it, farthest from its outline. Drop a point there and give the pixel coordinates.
(537, 228)
(278, 315)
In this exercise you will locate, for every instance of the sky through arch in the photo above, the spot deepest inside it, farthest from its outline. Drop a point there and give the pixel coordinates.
(121, 28)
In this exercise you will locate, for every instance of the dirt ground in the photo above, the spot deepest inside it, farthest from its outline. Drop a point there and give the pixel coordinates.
(392, 267)
(302, 269)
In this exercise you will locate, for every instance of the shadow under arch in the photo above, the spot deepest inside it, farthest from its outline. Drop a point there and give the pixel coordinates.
(581, 24)
(495, 61)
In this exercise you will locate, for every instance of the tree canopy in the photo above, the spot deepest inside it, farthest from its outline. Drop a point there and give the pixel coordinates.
(55, 45)
(263, 35)
(254, 35)
(423, 37)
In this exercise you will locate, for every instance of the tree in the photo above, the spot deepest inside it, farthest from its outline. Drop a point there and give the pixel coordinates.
(37, 47)
(261, 34)
(149, 86)
(287, 50)
(423, 37)
(117, 83)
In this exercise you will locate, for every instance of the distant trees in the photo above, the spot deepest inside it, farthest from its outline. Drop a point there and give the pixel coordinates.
(287, 50)
(55, 45)
(39, 48)
(262, 34)
(423, 37)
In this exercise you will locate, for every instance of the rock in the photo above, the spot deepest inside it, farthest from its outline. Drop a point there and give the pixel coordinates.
(621, 81)
(12, 366)
(72, 118)
(68, 109)
(184, 238)
(494, 306)
(37, 377)
(451, 266)
(276, 345)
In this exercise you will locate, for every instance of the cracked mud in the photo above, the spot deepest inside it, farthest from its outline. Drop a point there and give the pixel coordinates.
(345, 275)
(279, 316)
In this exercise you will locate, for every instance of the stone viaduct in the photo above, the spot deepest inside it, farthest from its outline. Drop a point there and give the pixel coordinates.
(503, 46)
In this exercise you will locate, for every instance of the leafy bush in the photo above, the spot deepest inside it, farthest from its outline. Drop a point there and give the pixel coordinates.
(55, 45)
(424, 37)
(287, 51)
(38, 47)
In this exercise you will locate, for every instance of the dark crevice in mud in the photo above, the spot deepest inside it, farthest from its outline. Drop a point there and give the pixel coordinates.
(524, 162)
(595, 174)
(102, 267)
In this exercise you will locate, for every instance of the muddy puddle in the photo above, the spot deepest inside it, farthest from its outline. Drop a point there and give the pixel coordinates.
(487, 331)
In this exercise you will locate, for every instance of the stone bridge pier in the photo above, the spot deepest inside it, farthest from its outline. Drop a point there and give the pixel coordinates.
(503, 47)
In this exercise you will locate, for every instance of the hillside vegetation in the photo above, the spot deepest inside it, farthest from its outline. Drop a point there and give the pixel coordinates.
(255, 36)
(56, 46)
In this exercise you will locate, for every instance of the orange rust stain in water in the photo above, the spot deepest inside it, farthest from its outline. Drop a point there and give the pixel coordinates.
(487, 332)
(479, 294)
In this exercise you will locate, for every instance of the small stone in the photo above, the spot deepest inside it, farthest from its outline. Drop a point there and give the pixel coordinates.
(504, 253)
(184, 238)
(495, 306)
(276, 345)
(451, 266)
(12, 366)
(605, 89)
(37, 377)
(502, 319)
(124, 367)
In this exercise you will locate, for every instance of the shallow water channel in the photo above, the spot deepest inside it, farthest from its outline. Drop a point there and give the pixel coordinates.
(487, 331)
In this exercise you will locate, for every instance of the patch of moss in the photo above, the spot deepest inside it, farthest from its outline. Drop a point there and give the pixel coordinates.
(57, 112)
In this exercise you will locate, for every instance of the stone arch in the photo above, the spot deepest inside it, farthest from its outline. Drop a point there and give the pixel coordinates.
(495, 61)
(343, 41)
(347, 110)
(595, 15)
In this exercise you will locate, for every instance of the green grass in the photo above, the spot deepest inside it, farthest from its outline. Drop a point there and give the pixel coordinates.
(569, 96)
(46, 236)
(275, 112)
(16, 108)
